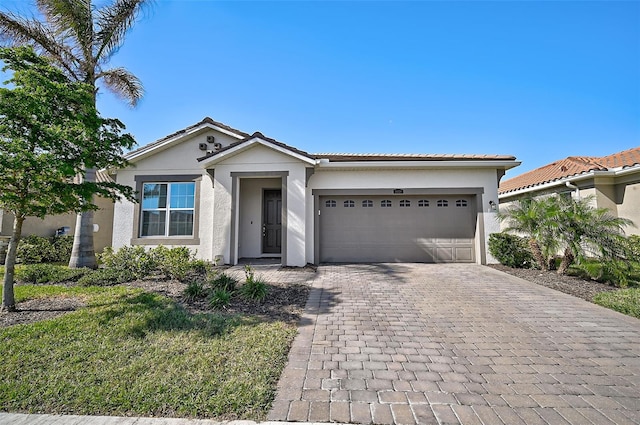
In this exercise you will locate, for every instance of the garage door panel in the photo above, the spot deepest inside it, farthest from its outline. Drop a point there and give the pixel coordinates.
(413, 233)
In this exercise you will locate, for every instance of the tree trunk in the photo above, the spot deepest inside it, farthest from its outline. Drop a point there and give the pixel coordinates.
(83, 254)
(8, 298)
(567, 260)
(537, 254)
(552, 262)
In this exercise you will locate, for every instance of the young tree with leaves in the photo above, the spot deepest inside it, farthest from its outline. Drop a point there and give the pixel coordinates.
(49, 132)
(80, 38)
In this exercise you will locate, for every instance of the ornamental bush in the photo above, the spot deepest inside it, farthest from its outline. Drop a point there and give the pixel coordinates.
(510, 250)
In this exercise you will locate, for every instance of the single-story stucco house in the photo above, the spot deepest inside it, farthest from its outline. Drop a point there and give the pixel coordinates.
(612, 180)
(230, 195)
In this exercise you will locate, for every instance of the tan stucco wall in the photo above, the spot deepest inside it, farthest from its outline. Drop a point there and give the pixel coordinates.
(630, 206)
(48, 226)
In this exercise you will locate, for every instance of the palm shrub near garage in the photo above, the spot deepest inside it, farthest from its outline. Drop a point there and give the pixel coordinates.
(573, 227)
(510, 250)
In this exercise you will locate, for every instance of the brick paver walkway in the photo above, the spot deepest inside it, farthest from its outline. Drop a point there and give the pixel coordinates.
(448, 344)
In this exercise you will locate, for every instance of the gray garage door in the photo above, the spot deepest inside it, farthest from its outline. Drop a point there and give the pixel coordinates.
(429, 229)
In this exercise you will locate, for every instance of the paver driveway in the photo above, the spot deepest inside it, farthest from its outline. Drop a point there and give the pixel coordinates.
(426, 343)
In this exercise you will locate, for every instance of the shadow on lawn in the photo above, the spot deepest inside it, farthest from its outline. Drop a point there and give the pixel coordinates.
(141, 313)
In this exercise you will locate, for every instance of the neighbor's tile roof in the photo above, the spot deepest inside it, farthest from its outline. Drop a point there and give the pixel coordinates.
(206, 120)
(571, 166)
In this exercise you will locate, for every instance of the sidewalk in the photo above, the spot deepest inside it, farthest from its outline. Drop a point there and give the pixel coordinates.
(24, 419)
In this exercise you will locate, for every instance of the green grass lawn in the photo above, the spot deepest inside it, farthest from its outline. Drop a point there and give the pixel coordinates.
(131, 352)
(626, 301)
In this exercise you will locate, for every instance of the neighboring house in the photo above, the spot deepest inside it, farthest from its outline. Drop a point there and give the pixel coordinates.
(229, 195)
(613, 181)
(103, 220)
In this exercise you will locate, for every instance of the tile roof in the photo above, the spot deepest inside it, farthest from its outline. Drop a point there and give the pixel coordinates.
(344, 157)
(350, 157)
(205, 120)
(571, 166)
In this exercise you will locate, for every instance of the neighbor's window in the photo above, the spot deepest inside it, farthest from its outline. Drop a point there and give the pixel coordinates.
(168, 209)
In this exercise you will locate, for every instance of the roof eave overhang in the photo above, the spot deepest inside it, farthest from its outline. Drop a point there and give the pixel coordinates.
(563, 181)
(137, 156)
(223, 155)
(433, 164)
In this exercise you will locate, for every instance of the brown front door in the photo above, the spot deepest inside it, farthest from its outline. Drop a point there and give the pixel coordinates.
(272, 222)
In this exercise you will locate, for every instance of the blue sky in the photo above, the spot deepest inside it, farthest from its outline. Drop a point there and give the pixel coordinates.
(538, 80)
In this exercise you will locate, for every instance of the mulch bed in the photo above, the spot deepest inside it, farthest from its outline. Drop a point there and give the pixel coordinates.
(581, 288)
(284, 302)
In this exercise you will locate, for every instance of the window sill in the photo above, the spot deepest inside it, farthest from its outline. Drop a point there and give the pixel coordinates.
(165, 241)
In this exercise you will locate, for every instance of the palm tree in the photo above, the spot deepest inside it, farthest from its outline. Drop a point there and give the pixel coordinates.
(80, 38)
(528, 217)
(583, 230)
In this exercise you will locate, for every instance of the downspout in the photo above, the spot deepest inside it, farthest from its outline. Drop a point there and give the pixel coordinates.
(574, 187)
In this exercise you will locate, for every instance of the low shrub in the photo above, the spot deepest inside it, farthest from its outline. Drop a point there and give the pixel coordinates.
(35, 249)
(225, 282)
(510, 250)
(633, 245)
(133, 261)
(106, 277)
(626, 301)
(175, 263)
(62, 247)
(219, 298)
(254, 288)
(48, 273)
(195, 290)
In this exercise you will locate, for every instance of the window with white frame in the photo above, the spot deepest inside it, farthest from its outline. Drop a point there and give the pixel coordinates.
(168, 209)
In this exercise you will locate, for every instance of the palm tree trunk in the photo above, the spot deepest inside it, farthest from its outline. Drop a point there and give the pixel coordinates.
(537, 254)
(83, 254)
(8, 298)
(567, 260)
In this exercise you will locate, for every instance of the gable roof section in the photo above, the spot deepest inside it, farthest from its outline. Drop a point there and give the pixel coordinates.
(570, 167)
(256, 138)
(174, 137)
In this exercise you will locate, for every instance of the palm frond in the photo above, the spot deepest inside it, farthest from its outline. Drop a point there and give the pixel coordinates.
(112, 23)
(71, 19)
(16, 30)
(123, 84)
